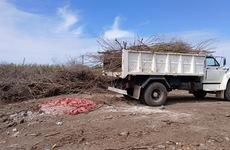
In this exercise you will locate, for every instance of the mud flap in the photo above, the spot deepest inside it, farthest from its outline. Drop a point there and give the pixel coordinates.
(220, 94)
(136, 92)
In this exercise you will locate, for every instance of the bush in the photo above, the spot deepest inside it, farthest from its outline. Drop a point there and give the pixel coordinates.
(23, 82)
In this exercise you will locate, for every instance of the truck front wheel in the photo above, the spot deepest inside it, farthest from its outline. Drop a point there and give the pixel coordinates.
(155, 94)
(227, 92)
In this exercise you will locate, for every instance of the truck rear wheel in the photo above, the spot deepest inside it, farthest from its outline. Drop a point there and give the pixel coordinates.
(199, 94)
(141, 98)
(155, 94)
(227, 92)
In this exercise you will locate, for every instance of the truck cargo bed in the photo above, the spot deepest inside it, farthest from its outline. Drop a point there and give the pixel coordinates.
(148, 63)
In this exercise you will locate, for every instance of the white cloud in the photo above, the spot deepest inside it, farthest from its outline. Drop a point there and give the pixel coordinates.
(35, 37)
(69, 20)
(115, 32)
(11, 17)
(115, 25)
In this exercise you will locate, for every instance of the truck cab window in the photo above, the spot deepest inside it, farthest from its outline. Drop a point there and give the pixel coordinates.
(210, 61)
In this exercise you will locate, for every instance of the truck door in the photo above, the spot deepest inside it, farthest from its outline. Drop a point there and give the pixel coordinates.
(214, 72)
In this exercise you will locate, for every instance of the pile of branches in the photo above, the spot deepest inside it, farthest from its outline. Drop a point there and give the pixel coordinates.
(112, 50)
(170, 47)
(112, 61)
(23, 82)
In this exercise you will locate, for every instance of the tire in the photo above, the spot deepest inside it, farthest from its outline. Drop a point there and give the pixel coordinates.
(141, 98)
(155, 94)
(227, 92)
(199, 94)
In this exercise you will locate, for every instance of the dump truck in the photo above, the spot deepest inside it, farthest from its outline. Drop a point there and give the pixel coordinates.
(150, 76)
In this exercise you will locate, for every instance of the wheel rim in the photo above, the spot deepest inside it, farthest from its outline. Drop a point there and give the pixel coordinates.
(156, 94)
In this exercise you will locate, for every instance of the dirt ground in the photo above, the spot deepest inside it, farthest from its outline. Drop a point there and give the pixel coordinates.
(183, 123)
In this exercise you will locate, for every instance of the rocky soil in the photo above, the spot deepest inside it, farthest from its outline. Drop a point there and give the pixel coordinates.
(184, 123)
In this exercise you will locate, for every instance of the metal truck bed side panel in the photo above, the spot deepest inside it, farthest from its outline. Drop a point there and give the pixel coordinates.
(156, 63)
(147, 63)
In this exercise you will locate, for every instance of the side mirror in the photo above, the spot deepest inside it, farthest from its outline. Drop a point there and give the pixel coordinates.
(224, 63)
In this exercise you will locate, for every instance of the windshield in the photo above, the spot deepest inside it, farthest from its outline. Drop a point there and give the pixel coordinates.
(210, 61)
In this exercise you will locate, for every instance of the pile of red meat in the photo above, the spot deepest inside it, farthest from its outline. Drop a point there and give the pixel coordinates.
(71, 106)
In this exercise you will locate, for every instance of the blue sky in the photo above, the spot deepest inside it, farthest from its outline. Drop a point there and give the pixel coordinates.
(56, 30)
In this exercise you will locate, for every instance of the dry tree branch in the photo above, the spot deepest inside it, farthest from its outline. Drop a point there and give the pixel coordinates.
(204, 45)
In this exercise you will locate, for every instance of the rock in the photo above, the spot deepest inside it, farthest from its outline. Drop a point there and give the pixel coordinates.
(125, 133)
(202, 147)
(170, 143)
(59, 123)
(133, 114)
(171, 147)
(14, 130)
(13, 116)
(162, 107)
(161, 146)
(16, 134)
(227, 115)
(109, 117)
(104, 136)
(29, 113)
(23, 113)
